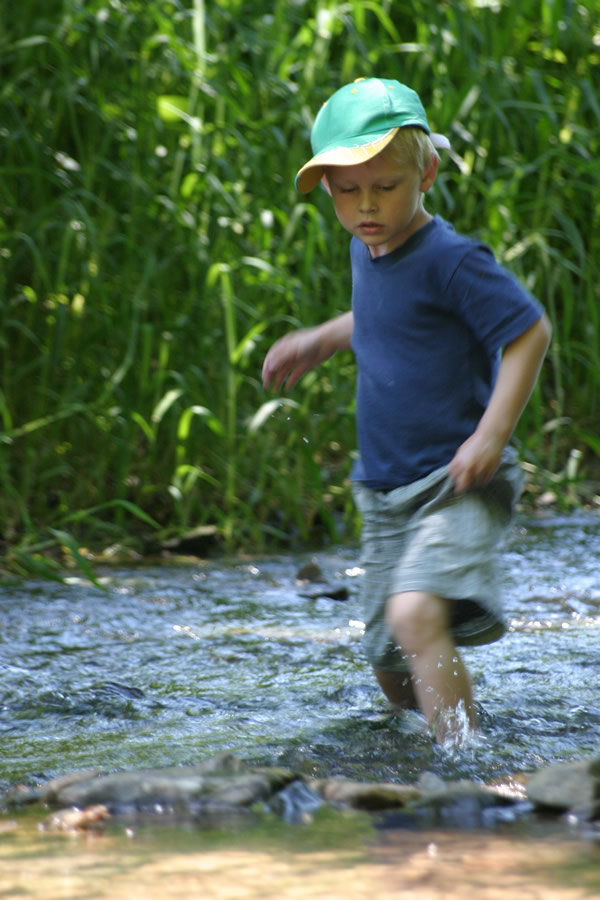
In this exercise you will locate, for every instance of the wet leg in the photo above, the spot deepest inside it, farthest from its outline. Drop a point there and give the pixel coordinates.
(420, 624)
(397, 687)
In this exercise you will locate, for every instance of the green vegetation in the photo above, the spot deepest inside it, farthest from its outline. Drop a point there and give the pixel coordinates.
(152, 246)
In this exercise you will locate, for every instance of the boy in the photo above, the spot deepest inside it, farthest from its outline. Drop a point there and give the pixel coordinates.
(436, 402)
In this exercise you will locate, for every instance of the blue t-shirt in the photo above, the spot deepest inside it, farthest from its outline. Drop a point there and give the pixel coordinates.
(430, 319)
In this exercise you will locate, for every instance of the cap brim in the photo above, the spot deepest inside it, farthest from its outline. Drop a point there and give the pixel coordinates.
(311, 173)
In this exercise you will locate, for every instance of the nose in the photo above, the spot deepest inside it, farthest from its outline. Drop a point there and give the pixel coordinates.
(366, 202)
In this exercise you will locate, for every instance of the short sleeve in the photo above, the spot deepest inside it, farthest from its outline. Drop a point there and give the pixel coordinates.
(492, 302)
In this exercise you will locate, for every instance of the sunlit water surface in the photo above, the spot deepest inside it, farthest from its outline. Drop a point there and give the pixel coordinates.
(178, 662)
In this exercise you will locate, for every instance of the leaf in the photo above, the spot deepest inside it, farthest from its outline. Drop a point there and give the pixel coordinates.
(247, 342)
(165, 403)
(185, 421)
(67, 540)
(32, 564)
(592, 440)
(135, 510)
(136, 417)
(188, 184)
(186, 475)
(258, 263)
(172, 108)
(267, 409)
(43, 422)
(33, 41)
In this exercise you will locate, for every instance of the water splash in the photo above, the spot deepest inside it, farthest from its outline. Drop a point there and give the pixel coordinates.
(453, 731)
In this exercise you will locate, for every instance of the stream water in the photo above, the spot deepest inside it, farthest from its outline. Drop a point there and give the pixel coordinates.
(176, 662)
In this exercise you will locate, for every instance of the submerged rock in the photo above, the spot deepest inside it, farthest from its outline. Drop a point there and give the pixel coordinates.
(310, 572)
(326, 590)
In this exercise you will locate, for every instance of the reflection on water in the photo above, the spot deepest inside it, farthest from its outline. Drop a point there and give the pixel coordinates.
(176, 663)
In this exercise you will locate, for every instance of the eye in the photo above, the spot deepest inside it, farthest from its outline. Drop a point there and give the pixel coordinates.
(346, 190)
(387, 187)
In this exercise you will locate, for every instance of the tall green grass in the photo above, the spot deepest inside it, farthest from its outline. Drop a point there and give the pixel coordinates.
(152, 246)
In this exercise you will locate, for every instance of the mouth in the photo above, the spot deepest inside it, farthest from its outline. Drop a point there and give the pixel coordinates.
(370, 227)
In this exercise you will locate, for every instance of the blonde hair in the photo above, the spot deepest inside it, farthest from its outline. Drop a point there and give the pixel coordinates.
(411, 145)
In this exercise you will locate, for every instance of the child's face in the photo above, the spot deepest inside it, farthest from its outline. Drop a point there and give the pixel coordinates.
(380, 201)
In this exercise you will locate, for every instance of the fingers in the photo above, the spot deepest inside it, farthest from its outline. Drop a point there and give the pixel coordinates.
(289, 375)
(460, 481)
(468, 477)
(275, 373)
(289, 358)
(276, 370)
(273, 370)
(475, 462)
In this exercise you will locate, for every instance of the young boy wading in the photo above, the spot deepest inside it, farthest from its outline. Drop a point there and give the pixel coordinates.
(448, 348)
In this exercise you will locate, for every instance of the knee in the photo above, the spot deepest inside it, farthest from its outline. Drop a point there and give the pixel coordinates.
(417, 619)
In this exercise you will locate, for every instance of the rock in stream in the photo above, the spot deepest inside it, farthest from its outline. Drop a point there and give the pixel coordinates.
(225, 784)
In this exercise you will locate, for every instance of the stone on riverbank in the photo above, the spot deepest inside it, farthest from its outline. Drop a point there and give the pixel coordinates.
(568, 787)
(226, 785)
(76, 821)
(184, 789)
(462, 804)
(369, 797)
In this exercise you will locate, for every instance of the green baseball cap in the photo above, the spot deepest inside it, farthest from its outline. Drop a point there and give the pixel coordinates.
(358, 122)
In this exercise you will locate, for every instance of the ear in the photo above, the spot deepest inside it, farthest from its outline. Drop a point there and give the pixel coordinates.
(325, 184)
(429, 176)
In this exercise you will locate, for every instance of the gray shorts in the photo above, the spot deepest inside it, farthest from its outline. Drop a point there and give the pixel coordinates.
(424, 537)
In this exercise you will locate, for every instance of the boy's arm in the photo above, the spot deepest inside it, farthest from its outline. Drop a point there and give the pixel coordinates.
(477, 459)
(294, 354)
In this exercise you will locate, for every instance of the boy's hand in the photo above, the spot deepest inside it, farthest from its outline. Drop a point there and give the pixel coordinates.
(297, 352)
(475, 462)
(290, 357)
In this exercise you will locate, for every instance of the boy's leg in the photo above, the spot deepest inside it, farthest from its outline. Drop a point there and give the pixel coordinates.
(398, 688)
(420, 624)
